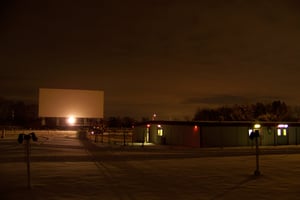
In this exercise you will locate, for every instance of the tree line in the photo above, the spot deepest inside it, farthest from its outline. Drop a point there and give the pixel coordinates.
(273, 111)
(17, 113)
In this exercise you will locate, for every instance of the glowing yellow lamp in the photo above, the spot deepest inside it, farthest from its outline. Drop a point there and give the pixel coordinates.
(257, 126)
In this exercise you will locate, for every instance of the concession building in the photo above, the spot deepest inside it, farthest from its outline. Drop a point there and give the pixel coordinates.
(216, 134)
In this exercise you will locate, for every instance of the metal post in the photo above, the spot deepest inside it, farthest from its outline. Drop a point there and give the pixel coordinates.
(257, 172)
(27, 146)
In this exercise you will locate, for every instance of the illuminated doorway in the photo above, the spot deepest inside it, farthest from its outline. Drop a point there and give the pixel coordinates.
(147, 135)
(282, 134)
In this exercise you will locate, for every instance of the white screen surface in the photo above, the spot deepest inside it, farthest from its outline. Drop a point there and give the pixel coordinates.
(67, 102)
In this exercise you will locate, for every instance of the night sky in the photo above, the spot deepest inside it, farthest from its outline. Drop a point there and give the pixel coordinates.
(167, 57)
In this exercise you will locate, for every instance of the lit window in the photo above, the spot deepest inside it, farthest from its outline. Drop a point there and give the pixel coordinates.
(160, 132)
(279, 132)
(284, 132)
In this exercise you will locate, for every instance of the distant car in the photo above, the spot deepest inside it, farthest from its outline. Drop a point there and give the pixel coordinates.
(95, 130)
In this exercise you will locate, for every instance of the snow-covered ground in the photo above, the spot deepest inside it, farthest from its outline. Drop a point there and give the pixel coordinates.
(63, 168)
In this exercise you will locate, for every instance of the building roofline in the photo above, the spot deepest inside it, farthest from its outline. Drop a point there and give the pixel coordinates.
(219, 123)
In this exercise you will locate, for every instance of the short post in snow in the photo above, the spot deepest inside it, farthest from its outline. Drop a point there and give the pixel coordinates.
(26, 138)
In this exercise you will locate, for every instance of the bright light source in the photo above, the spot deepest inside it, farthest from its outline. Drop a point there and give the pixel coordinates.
(158, 126)
(282, 126)
(257, 126)
(250, 131)
(154, 116)
(71, 120)
(195, 128)
(279, 132)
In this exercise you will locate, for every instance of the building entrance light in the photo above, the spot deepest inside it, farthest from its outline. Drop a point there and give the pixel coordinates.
(196, 128)
(282, 126)
(257, 126)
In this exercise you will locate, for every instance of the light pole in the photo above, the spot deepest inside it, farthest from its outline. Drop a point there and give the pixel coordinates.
(254, 135)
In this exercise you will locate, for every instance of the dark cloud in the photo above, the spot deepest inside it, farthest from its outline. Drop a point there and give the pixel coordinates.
(217, 100)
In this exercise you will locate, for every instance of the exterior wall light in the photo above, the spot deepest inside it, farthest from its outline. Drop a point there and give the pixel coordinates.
(257, 126)
(196, 128)
(282, 126)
